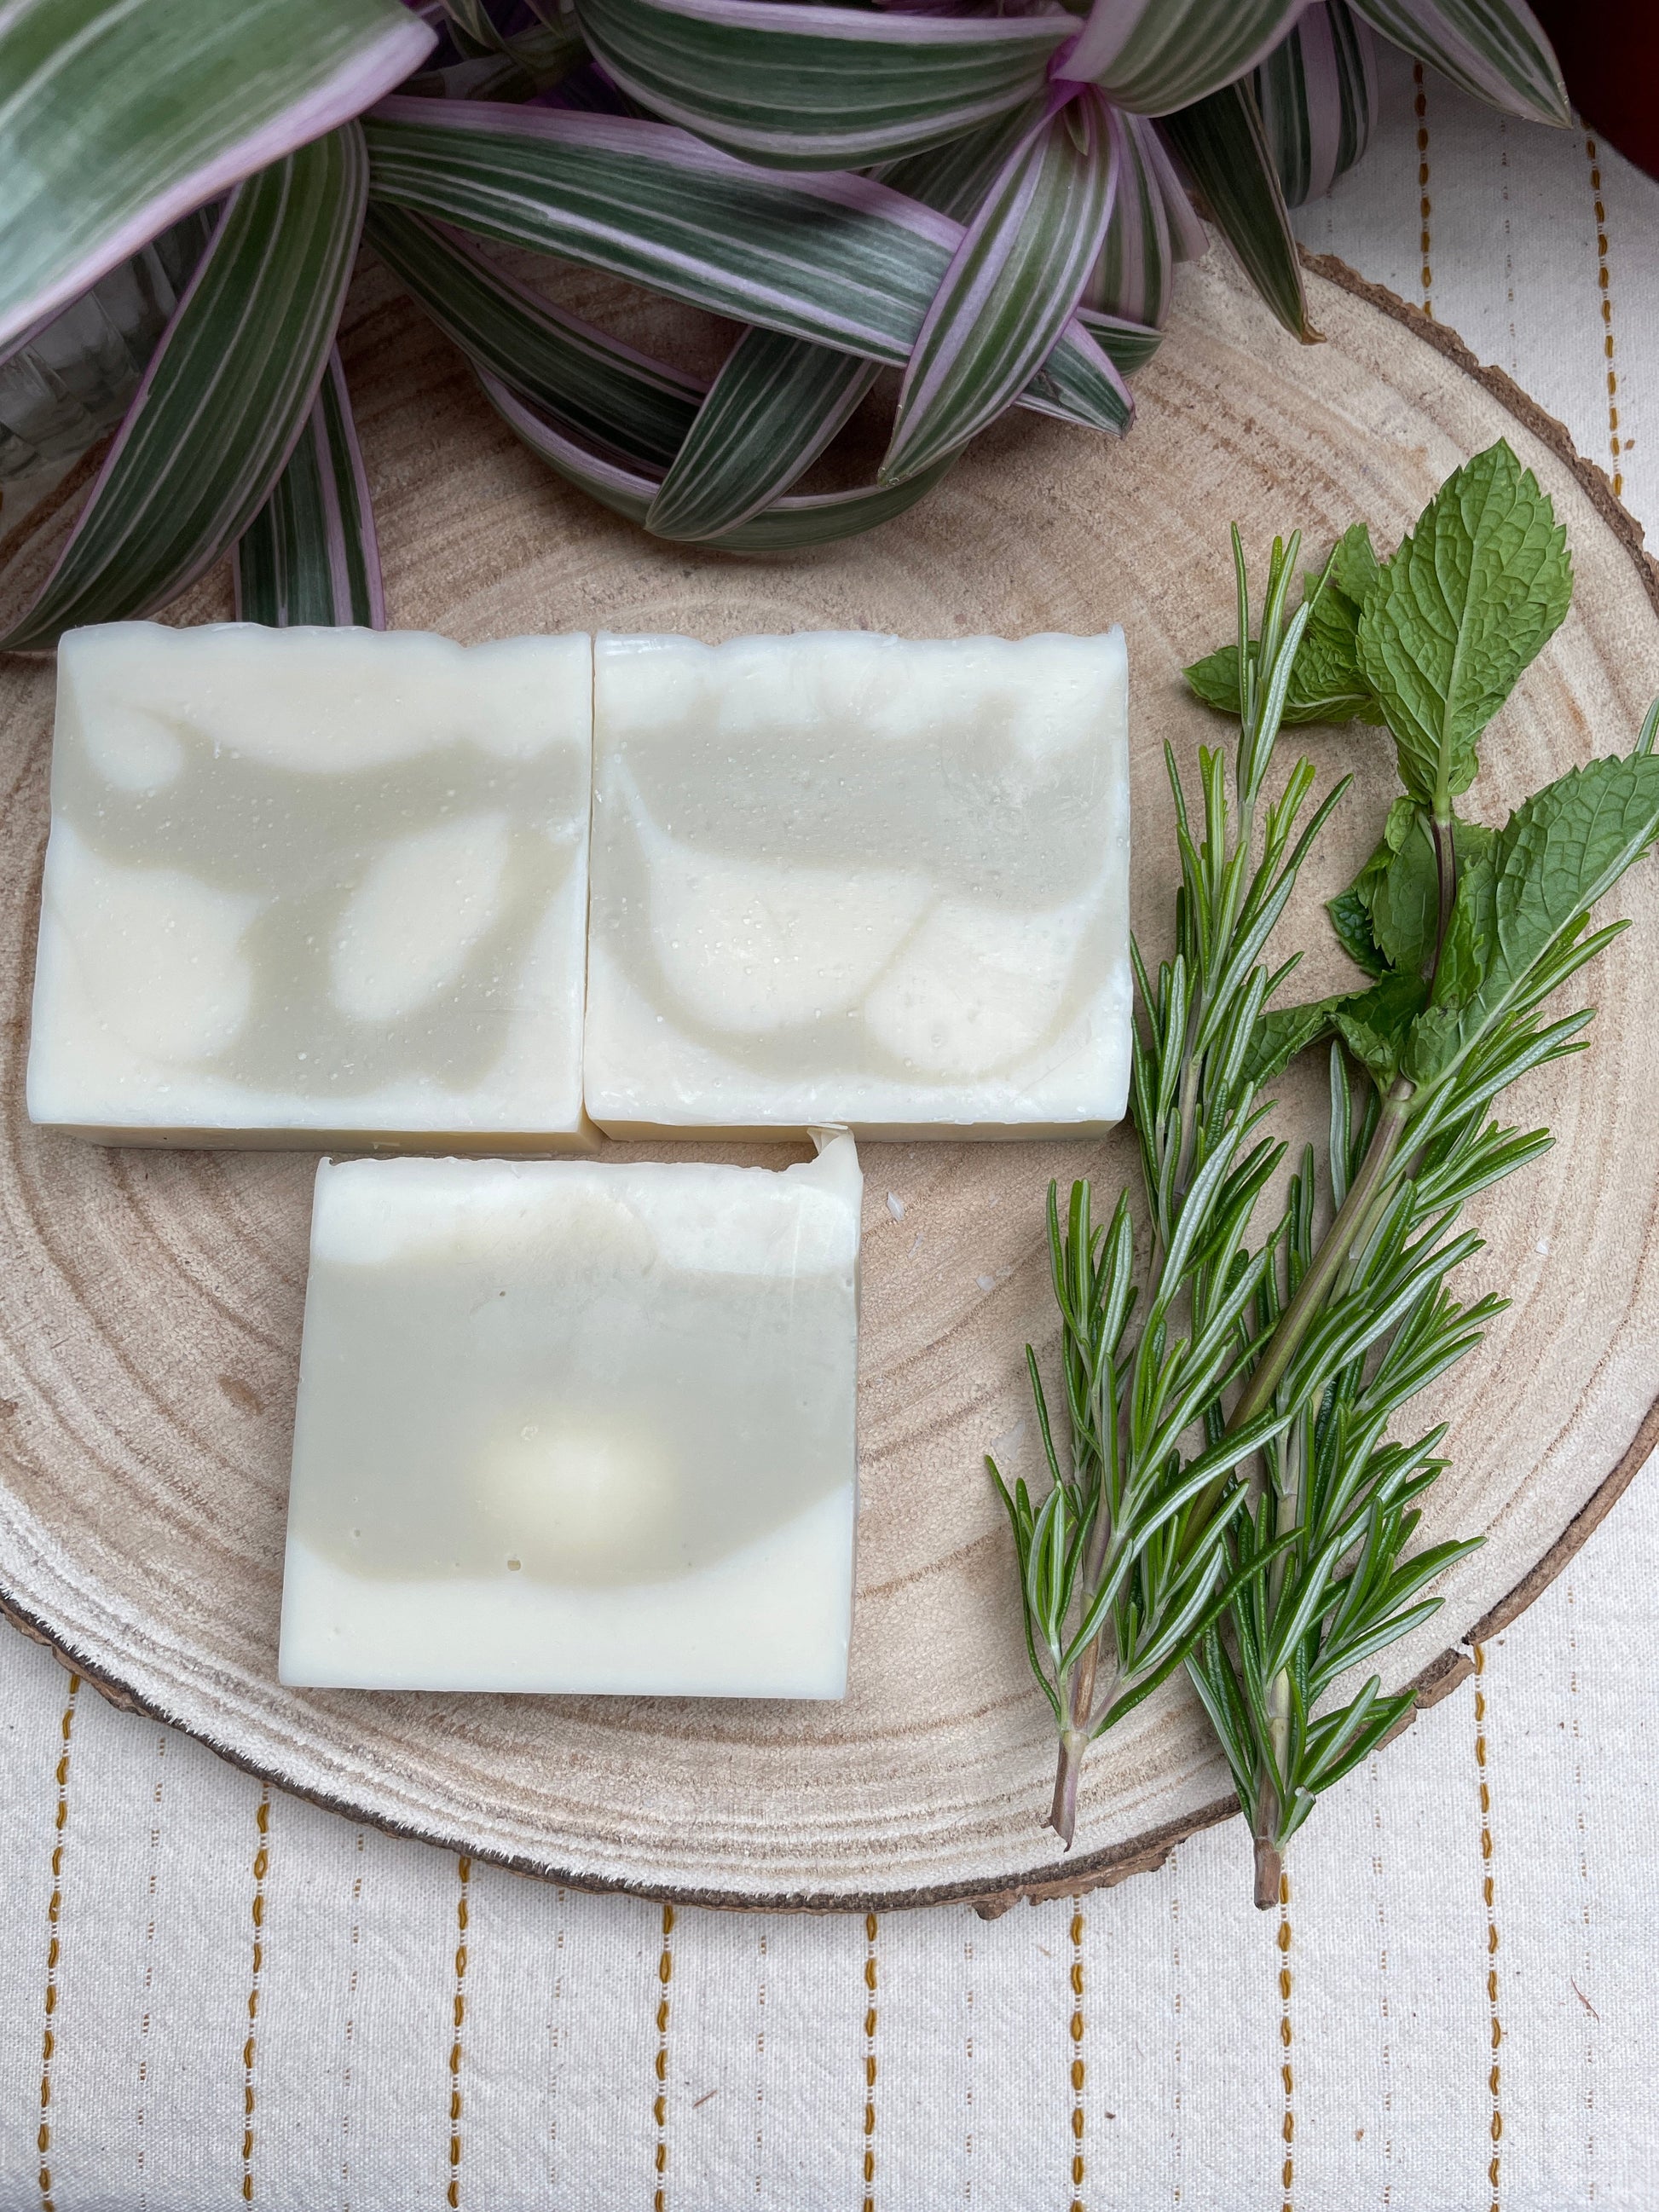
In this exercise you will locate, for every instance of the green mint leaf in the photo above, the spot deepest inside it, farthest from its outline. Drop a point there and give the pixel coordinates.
(1376, 1025)
(1215, 679)
(1468, 951)
(1354, 567)
(1469, 599)
(1351, 918)
(1560, 852)
(1406, 907)
(1401, 821)
(1353, 911)
(1284, 1031)
(1325, 685)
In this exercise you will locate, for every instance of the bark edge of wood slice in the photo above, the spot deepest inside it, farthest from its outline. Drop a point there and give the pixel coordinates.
(149, 1311)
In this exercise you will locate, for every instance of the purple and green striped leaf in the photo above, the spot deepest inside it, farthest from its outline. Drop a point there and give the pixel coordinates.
(840, 261)
(1134, 271)
(1317, 94)
(224, 400)
(955, 177)
(1127, 345)
(791, 524)
(1187, 238)
(1223, 150)
(310, 554)
(1154, 56)
(117, 117)
(601, 390)
(819, 88)
(1012, 285)
(775, 406)
(499, 64)
(1496, 49)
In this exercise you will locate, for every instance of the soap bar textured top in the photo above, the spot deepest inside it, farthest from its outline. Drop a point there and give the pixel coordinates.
(574, 1425)
(856, 878)
(310, 885)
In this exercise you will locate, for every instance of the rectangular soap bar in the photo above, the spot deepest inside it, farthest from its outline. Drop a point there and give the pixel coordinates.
(571, 1426)
(862, 879)
(315, 887)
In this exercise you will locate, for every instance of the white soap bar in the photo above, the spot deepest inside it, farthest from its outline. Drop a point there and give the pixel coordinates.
(573, 1427)
(865, 880)
(314, 886)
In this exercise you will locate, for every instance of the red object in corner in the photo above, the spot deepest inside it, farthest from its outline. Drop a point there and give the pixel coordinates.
(1609, 52)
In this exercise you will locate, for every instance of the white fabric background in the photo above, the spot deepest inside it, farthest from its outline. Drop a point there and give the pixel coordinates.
(211, 1997)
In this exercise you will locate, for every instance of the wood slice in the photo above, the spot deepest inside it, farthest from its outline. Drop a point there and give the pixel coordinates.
(150, 1304)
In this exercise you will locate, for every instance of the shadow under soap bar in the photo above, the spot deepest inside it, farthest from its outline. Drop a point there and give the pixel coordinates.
(572, 1425)
(315, 887)
(875, 881)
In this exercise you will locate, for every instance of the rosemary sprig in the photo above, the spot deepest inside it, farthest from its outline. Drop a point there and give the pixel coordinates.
(1125, 1565)
(1231, 1496)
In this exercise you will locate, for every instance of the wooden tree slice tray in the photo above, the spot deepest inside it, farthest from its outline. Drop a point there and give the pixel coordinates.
(150, 1304)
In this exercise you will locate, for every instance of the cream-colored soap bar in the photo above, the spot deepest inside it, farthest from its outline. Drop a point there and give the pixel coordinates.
(315, 886)
(863, 879)
(573, 1427)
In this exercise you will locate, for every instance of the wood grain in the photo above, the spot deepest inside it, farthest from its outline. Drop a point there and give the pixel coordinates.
(150, 1303)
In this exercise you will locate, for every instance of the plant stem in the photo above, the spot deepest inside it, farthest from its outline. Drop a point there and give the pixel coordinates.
(1269, 1808)
(1338, 1240)
(1445, 870)
(1074, 1737)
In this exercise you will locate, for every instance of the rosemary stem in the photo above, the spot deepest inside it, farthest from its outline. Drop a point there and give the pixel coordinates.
(1338, 1240)
(1079, 1709)
(1287, 1516)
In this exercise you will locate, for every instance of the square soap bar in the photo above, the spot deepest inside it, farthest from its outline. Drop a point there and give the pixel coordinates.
(861, 879)
(573, 1427)
(314, 887)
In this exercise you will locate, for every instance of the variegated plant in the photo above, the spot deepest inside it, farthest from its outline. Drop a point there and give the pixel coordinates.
(987, 196)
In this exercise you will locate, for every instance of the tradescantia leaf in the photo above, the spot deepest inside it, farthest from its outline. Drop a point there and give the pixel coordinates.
(788, 525)
(1011, 286)
(954, 178)
(816, 87)
(244, 354)
(1221, 145)
(775, 406)
(1496, 49)
(310, 554)
(1188, 240)
(599, 388)
(1133, 271)
(1317, 94)
(1154, 56)
(1129, 346)
(117, 117)
(1470, 598)
(839, 259)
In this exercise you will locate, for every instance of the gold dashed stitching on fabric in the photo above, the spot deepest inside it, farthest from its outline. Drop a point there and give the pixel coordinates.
(1078, 2070)
(257, 1914)
(54, 1920)
(870, 1926)
(1425, 206)
(1287, 2172)
(1604, 281)
(1494, 2080)
(463, 1918)
(660, 2105)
